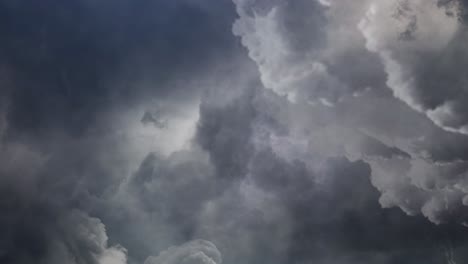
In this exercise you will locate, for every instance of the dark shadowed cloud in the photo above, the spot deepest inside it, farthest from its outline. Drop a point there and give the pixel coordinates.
(233, 131)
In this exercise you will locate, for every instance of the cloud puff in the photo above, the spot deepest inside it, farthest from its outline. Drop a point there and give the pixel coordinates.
(306, 50)
(87, 241)
(193, 252)
(421, 46)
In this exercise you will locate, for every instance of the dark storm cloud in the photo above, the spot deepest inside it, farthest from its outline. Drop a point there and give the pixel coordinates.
(37, 235)
(67, 60)
(325, 215)
(67, 69)
(409, 45)
(315, 214)
(228, 127)
(176, 187)
(141, 132)
(43, 200)
(37, 222)
(304, 179)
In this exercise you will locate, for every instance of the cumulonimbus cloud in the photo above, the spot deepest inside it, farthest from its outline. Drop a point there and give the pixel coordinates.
(352, 120)
(421, 59)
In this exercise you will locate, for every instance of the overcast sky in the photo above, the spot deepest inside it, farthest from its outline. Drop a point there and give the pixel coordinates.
(233, 131)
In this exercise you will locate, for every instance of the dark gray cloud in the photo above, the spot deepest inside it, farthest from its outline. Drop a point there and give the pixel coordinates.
(43, 205)
(245, 131)
(71, 72)
(66, 61)
(194, 252)
(327, 213)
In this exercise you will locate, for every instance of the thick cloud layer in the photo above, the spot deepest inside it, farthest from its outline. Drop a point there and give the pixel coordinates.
(421, 61)
(421, 45)
(244, 131)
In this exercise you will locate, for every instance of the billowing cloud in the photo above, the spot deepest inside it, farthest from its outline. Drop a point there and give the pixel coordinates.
(194, 252)
(294, 188)
(421, 45)
(412, 47)
(245, 131)
(305, 50)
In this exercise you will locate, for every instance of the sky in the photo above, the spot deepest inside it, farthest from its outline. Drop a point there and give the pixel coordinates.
(233, 131)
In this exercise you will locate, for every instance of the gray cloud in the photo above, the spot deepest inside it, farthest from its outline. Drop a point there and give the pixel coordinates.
(71, 72)
(194, 252)
(424, 71)
(304, 49)
(131, 127)
(301, 196)
(423, 167)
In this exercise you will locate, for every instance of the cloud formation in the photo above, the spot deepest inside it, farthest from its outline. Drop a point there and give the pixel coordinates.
(420, 59)
(244, 131)
(421, 46)
(302, 48)
(194, 252)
